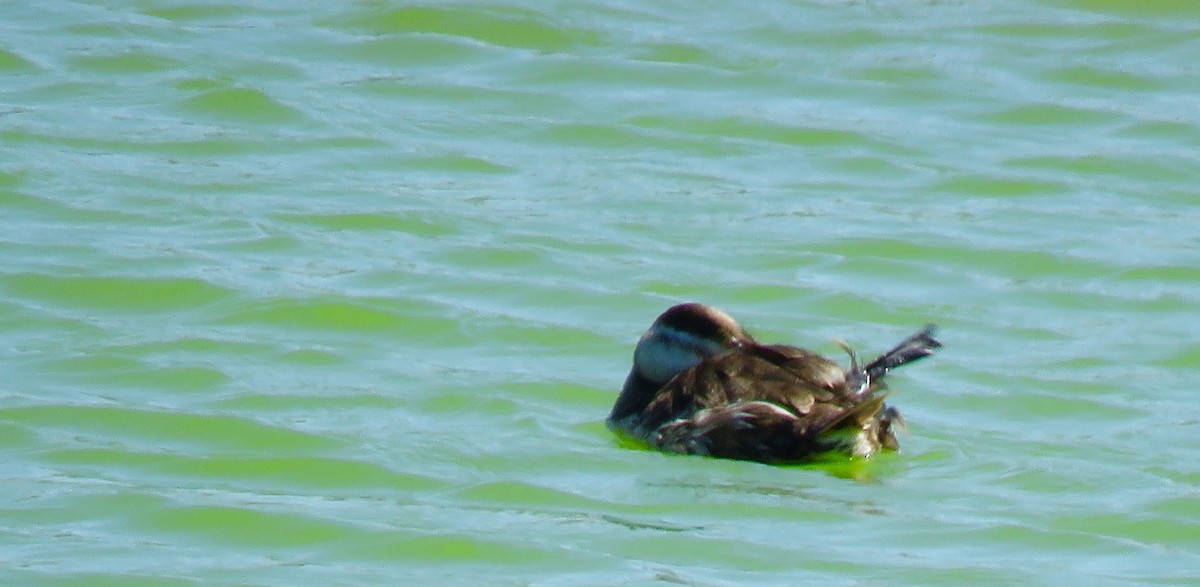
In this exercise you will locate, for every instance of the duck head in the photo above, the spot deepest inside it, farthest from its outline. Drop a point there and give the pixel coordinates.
(679, 339)
(683, 336)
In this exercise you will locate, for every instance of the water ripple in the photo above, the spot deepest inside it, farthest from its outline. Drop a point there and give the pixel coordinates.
(345, 291)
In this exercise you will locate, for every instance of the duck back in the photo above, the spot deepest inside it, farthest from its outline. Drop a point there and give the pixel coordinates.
(771, 403)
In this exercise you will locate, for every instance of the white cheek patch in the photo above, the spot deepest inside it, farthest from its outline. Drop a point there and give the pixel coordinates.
(659, 360)
(663, 353)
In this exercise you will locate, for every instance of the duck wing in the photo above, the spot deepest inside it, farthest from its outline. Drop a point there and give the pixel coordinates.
(790, 377)
(760, 402)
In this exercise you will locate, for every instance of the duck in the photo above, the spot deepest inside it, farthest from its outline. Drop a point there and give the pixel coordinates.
(701, 385)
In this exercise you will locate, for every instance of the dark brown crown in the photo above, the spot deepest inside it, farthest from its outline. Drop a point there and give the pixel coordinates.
(702, 321)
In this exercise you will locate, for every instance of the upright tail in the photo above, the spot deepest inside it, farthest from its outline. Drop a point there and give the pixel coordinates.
(870, 424)
(913, 348)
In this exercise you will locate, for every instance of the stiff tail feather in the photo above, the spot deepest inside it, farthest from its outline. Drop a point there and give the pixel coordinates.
(913, 348)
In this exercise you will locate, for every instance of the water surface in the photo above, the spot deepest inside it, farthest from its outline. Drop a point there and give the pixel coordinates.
(341, 293)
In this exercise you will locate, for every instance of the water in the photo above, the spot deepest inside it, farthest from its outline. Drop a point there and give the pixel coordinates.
(340, 293)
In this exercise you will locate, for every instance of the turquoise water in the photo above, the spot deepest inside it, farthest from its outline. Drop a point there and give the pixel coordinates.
(340, 293)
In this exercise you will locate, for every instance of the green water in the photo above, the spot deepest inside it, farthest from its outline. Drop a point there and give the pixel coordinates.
(340, 293)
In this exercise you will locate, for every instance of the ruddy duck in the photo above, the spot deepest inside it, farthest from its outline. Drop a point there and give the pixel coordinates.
(700, 384)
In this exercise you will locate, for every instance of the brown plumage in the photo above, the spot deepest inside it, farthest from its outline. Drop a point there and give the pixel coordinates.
(701, 385)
